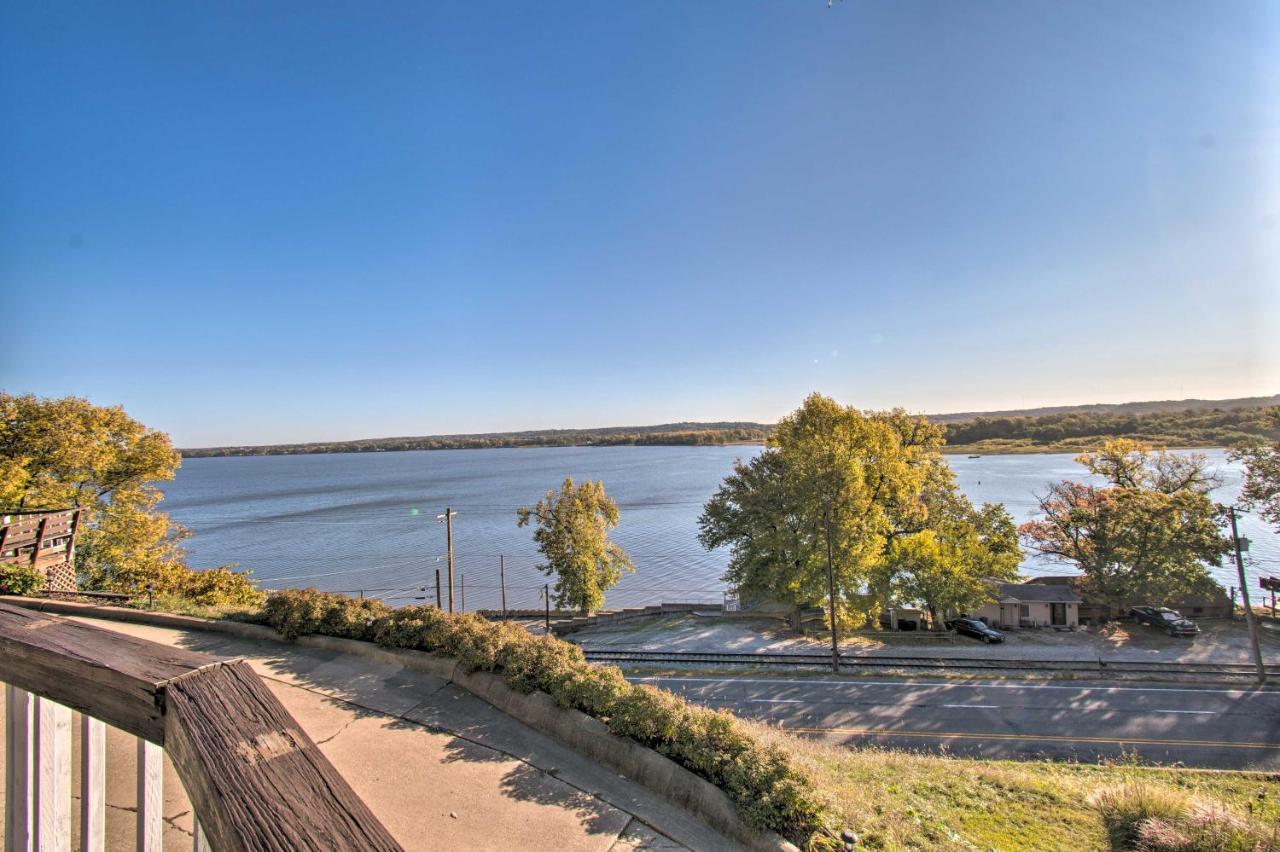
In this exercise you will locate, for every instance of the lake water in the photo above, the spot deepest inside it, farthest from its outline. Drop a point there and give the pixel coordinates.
(352, 522)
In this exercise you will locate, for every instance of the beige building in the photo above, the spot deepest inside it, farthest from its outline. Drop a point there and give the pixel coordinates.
(1032, 605)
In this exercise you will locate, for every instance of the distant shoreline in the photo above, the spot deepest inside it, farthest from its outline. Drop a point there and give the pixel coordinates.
(1200, 424)
(949, 450)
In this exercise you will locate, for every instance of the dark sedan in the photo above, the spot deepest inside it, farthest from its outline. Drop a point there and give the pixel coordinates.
(975, 628)
(1171, 621)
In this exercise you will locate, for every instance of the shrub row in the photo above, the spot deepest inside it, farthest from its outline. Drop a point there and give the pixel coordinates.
(769, 791)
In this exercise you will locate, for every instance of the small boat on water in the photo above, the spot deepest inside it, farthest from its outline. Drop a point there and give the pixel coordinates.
(975, 457)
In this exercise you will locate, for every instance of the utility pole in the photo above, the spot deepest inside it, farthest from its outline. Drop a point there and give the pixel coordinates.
(438, 589)
(546, 597)
(502, 581)
(447, 517)
(1244, 594)
(831, 591)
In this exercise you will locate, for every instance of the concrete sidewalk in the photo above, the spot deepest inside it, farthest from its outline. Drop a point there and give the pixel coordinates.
(441, 768)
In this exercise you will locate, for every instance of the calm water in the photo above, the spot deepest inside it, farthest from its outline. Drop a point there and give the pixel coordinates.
(368, 521)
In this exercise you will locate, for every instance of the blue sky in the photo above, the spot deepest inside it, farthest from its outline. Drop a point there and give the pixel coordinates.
(261, 222)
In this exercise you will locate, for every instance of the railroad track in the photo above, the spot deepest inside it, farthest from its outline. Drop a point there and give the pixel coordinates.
(851, 661)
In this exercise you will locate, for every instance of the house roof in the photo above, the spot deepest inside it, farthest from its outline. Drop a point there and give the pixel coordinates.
(1038, 593)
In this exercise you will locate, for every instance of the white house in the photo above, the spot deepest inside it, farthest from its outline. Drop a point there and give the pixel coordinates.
(1032, 605)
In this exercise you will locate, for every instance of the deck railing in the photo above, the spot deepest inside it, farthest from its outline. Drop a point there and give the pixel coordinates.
(256, 781)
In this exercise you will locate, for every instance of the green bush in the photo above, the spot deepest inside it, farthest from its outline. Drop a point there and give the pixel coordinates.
(298, 612)
(221, 586)
(770, 792)
(19, 579)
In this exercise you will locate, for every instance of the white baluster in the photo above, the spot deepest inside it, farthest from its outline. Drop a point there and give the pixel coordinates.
(51, 802)
(19, 761)
(150, 797)
(93, 783)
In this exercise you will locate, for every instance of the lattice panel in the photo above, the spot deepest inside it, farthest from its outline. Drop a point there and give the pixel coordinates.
(60, 578)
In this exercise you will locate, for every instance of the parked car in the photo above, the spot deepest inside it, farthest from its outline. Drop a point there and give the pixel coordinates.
(1169, 620)
(975, 628)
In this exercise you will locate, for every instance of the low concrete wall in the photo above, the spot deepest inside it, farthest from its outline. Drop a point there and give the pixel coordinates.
(581, 732)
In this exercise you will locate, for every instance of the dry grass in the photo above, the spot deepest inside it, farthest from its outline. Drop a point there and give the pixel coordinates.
(179, 605)
(905, 800)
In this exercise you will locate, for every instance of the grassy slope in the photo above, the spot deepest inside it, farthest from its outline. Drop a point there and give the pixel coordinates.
(905, 800)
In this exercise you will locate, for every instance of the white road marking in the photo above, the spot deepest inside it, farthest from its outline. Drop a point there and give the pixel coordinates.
(1239, 693)
(973, 706)
(1195, 712)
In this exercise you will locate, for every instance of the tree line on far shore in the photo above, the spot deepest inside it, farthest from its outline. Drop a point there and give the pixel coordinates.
(1050, 432)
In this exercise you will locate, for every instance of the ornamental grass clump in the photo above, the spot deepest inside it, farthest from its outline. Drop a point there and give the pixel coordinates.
(770, 793)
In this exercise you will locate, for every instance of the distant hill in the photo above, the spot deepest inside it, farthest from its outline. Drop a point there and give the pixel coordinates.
(1118, 408)
(1182, 423)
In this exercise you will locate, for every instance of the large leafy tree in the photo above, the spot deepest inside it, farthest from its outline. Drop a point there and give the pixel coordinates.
(949, 565)
(1148, 534)
(68, 452)
(859, 477)
(1261, 491)
(573, 535)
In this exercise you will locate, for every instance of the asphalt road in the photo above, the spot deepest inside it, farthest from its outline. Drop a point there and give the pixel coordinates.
(1212, 727)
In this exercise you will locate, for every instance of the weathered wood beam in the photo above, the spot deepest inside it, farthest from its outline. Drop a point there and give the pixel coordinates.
(255, 778)
(113, 677)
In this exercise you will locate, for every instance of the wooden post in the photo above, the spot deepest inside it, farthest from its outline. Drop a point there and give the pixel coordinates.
(71, 545)
(35, 553)
(19, 722)
(502, 581)
(150, 797)
(93, 784)
(546, 596)
(448, 536)
(831, 588)
(1249, 617)
(438, 589)
(51, 802)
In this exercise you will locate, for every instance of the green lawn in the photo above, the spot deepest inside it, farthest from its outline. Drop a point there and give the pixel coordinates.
(906, 800)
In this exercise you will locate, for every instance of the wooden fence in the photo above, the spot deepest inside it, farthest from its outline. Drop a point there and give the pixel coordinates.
(256, 781)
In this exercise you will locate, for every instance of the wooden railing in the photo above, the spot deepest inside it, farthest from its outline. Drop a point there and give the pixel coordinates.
(256, 781)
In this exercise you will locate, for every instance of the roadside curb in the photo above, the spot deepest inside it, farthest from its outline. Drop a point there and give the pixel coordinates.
(584, 734)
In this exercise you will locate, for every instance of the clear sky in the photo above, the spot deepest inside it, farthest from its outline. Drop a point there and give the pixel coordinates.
(279, 221)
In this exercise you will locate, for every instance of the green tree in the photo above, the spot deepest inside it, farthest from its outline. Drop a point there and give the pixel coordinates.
(828, 468)
(68, 452)
(1261, 490)
(1149, 534)
(949, 565)
(573, 535)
